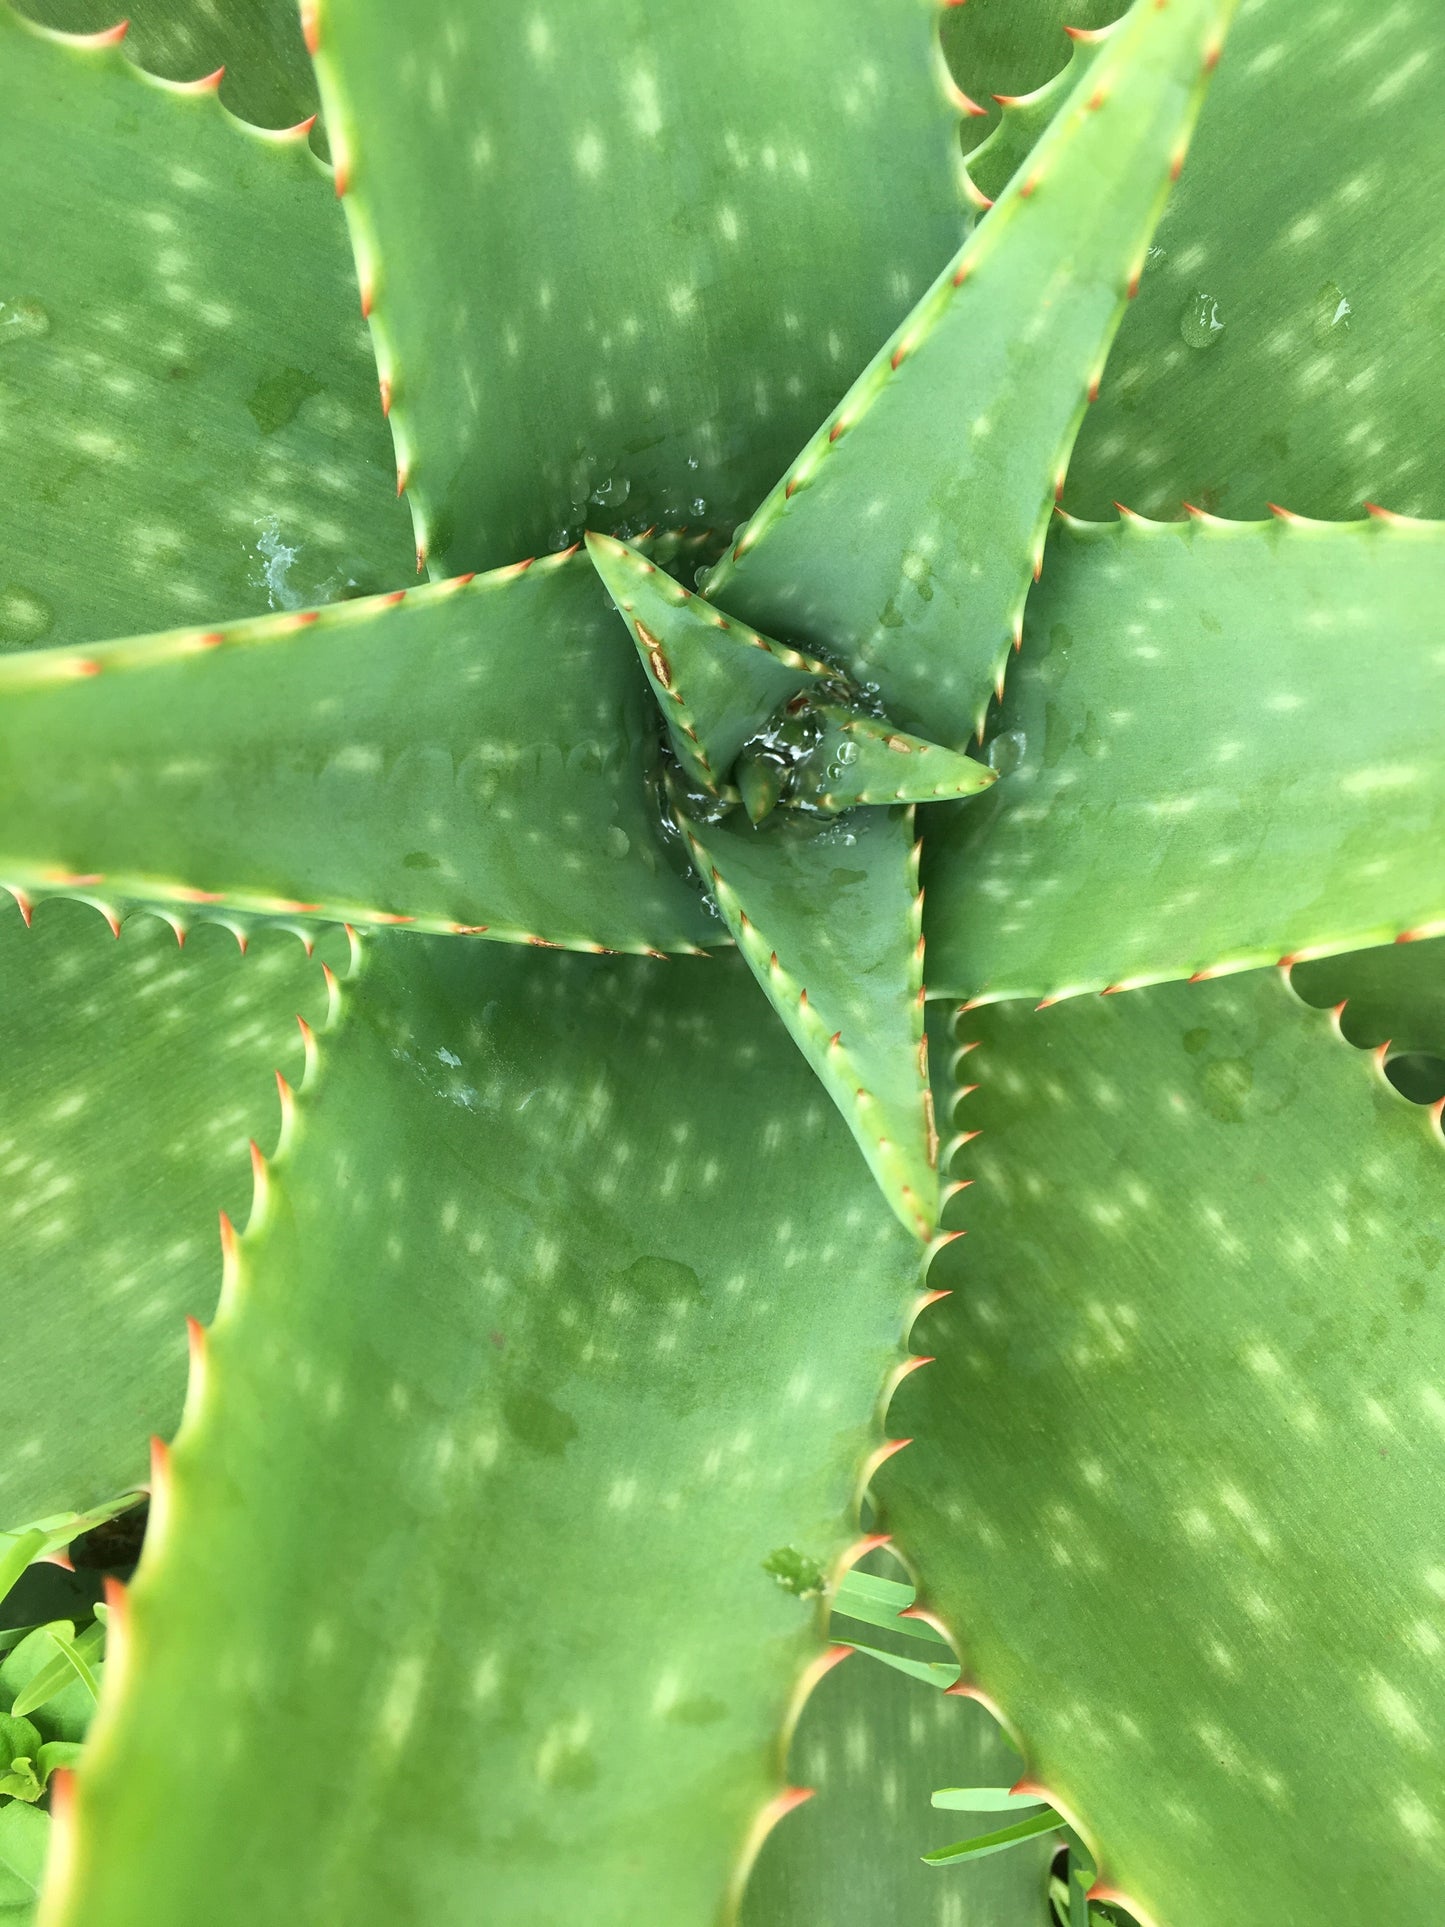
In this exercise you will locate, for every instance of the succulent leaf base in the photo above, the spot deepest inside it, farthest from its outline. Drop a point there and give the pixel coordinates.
(597, 987)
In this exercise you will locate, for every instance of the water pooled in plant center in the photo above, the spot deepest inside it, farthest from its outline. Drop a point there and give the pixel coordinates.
(1201, 324)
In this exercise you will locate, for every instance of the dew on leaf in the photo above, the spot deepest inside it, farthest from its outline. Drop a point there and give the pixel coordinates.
(618, 841)
(1006, 751)
(1332, 313)
(613, 492)
(22, 321)
(1201, 323)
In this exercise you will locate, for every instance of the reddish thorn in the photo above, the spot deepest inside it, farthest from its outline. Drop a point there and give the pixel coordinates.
(1437, 1112)
(385, 396)
(160, 1462)
(1096, 100)
(898, 353)
(961, 273)
(1028, 187)
(207, 84)
(835, 431)
(1133, 287)
(401, 473)
(107, 37)
(27, 909)
(1094, 396)
(311, 26)
(397, 595)
(116, 1598)
(258, 1163)
(788, 491)
(60, 1557)
(195, 1340)
(1176, 167)
(932, 1297)
(87, 666)
(299, 130)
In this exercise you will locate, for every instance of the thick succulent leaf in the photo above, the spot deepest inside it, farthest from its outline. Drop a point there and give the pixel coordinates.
(506, 1425)
(1286, 344)
(1180, 796)
(267, 79)
(1395, 993)
(716, 681)
(1024, 117)
(829, 918)
(188, 409)
(874, 1746)
(134, 1074)
(859, 759)
(616, 273)
(468, 756)
(904, 537)
(998, 47)
(1176, 1472)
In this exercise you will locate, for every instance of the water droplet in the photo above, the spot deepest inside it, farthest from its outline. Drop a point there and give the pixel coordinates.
(1332, 314)
(618, 841)
(22, 321)
(24, 616)
(1201, 323)
(1006, 752)
(612, 493)
(692, 461)
(700, 576)
(847, 753)
(277, 559)
(699, 506)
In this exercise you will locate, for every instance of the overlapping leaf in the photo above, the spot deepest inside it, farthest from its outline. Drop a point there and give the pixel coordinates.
(1180, 796)
(514, 1467)
(828, 917)
(470, 756)
(572, 368)
(903, 538)
(1175, 1474)
(267, 79)
(188, 408)
(1392, 995)
(134, 1074)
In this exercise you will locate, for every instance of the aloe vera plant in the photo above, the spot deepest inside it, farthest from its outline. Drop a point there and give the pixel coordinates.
(801, 817)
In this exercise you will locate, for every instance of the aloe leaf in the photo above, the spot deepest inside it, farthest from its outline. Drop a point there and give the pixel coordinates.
(267, 78)
(468, 756)
(1179, 796)
(1283, 347)
(997, 47)
(903, 539)
(488, 1302)
(998, 1841)
(135, 1073)
(650, 241)
(716, 681)
(24, 1841)
(1204, 1264)
(1392, 995)
(1024, 118)
(872, 1746)
(191, 274)
(859, 759)
(829, 919)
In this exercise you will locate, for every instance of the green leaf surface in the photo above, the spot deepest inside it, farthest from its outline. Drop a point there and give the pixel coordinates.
(134, 1075)
(878, 1602)
(829, 918)
(505, 1412)
(24, 1840)
(999, 1841)
(873, 1745)
(860, 759)
(188, 409)
(981, 1799)
(621, 270)
(468, 756)
(47, 1688)
(903, 538)
(716, 681)
(268, 78)
(1396, 994)
(1285, 345)
(70, 1666)
(1176, 1472)
(1180, 796)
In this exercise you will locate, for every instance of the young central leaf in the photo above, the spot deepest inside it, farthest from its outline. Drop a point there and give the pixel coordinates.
(718, 681)
(832, 758)
(829, 918)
